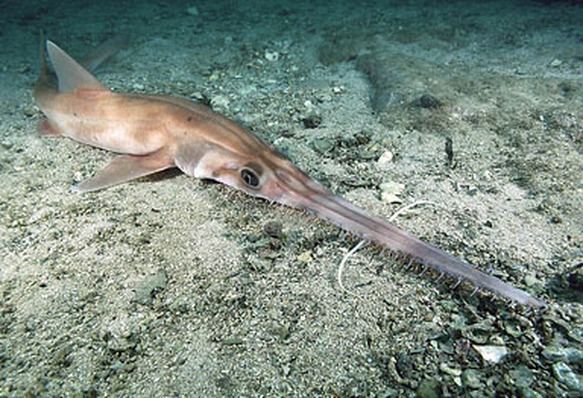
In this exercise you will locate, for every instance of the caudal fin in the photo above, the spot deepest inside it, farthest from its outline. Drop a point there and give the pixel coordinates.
(99, 56)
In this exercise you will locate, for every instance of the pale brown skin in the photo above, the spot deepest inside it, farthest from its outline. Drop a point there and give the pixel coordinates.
(153, 133)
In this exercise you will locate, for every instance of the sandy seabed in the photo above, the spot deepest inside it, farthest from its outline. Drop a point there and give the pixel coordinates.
(170, 286)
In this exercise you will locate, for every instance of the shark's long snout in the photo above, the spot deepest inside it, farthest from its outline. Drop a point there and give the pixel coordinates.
(355, 220)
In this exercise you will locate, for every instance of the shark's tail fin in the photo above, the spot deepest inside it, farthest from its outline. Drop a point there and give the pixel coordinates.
(70, 74)
(97, 57)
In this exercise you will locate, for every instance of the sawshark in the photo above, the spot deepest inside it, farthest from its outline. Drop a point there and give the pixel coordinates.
(151, 133)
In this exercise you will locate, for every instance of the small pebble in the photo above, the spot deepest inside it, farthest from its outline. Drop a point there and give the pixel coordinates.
(530, 280)
(555, 63)
(309, 104)
(391, 191)
(271, 56)
(6, 144)
(387, 197)
(323, 145)
(197, 95)
(273, 229)
(449, 370)
(491, 353)
(305, 257)
(385, 159)
(312, 121)
(220, 101)
(29, 111)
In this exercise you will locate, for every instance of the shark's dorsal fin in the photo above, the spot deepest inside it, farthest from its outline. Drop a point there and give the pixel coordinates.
(71, 75)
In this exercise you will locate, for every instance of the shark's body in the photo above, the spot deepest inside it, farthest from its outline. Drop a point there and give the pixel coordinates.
(153, 133)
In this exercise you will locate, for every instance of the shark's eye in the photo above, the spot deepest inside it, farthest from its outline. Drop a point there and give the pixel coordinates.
(250, 178)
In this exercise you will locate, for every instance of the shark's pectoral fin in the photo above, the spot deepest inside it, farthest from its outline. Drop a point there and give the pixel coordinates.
(125, 168)
(46, 129)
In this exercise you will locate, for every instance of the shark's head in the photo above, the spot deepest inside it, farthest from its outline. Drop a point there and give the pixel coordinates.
(262, 173)
(268, 175)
